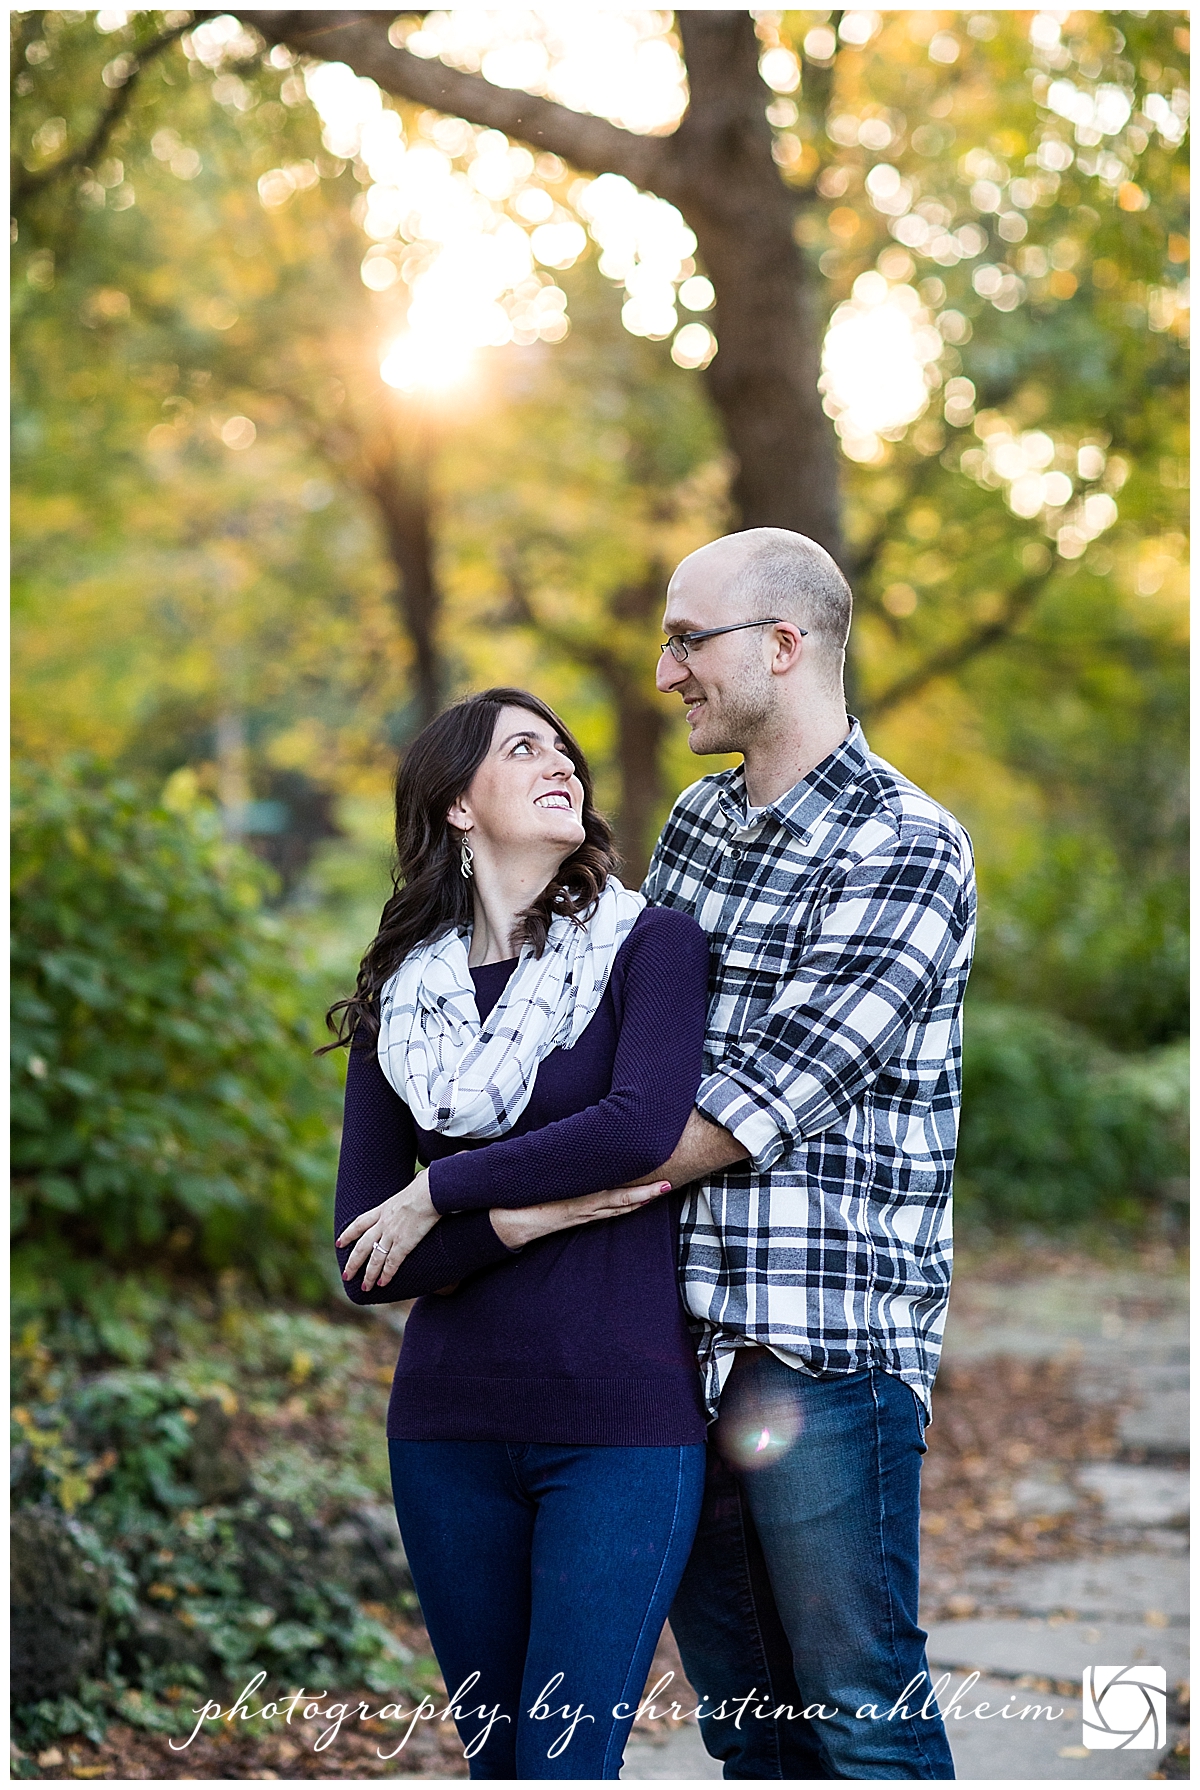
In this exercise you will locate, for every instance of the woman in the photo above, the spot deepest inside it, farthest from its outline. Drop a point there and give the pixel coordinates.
(532, 1032)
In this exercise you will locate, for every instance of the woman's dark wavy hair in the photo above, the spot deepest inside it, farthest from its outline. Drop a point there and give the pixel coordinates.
(430, 895)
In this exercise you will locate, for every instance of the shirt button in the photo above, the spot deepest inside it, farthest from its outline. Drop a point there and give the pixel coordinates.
(735, 854)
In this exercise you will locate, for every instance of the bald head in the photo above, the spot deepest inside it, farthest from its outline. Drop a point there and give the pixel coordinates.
(774, 571)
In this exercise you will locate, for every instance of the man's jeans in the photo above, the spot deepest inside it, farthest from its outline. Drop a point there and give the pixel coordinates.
(802, 1584)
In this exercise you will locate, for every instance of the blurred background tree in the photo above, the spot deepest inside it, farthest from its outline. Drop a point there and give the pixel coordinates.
(331, 404)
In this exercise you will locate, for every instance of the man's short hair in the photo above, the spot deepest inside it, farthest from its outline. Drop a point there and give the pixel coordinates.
(796, 579)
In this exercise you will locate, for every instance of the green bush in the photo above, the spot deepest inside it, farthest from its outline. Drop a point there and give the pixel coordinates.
(1057, 1129)
(1074, 932)
(169, 1542)
(166, 1106)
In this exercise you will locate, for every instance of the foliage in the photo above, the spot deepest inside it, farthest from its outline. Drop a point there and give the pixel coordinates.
(167, 581)
(948, 162)
(614, 474)
(164, 1098)
(228, 1503)
(163, 575)
(1056, 1130)
(164, 580)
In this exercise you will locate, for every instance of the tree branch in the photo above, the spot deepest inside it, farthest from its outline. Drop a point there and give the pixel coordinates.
(360, 39)
(573, 643)
(865, 556)
(817, 84)
(26, 183)
(951, 658)
(398, 490)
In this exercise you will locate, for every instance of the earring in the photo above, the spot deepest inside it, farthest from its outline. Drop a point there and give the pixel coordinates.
(467, 860)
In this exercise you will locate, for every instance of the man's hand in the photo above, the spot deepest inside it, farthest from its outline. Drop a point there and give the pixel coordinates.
(388, 1233)
(703, 1148)
(516, 1228)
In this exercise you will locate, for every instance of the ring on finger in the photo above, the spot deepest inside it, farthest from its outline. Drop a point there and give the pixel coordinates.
(380, 1247)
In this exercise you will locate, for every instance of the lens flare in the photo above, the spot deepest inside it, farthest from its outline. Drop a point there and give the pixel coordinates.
(755, 1428)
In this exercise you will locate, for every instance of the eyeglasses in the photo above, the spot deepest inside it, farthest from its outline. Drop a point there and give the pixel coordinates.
(679, 643)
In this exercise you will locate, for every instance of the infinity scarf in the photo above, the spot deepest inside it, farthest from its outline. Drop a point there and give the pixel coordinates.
(463, 1078)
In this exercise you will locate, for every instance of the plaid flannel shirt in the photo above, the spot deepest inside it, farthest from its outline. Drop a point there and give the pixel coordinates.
(841, 922)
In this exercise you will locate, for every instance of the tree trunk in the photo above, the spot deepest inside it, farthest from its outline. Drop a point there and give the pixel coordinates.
(401, 495)
(390, 469)
(641, 724)
(763, 380)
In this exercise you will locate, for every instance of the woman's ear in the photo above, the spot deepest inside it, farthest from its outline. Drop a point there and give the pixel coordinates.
(460, 817)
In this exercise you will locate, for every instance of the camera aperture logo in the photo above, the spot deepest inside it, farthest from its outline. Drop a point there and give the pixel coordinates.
(1124, 1708)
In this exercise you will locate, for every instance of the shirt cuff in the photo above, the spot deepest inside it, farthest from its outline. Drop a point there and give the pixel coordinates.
(450, 1186)
(766, 1128)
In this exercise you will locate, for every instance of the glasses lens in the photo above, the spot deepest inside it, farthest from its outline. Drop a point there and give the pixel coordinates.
(678, 646)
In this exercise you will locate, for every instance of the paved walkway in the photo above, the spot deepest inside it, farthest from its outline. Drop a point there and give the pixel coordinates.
(1125, 1603)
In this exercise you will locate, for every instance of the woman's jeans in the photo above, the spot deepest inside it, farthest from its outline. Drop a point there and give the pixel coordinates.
(548, 1570)
(802, 1585)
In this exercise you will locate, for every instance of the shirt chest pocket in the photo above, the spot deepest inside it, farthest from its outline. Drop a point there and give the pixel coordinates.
(751, 964)
(762, 931)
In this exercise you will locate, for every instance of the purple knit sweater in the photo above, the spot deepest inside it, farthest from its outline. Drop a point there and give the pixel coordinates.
(579, 1337)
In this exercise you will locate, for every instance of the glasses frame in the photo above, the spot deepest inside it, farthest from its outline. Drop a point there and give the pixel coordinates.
(680, 643)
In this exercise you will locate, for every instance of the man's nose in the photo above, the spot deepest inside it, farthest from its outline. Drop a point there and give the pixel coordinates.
(669, 673)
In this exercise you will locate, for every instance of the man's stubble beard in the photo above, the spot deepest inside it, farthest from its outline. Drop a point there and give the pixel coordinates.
(746, 711)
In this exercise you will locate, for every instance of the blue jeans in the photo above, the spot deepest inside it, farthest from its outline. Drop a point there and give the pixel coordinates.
(548, 1570)
(802, 1585)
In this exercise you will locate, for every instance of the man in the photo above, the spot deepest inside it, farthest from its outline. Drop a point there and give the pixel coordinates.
(839, 902)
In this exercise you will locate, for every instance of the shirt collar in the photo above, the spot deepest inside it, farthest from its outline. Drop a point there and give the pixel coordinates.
(801, 807)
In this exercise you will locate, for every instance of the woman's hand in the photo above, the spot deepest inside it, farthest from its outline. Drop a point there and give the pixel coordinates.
(386, 1234)
(520, 1227)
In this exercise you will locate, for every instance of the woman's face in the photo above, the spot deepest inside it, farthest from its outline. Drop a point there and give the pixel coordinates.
(525, 793)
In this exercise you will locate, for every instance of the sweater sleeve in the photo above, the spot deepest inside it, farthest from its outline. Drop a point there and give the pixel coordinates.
(634, 1129)
(378, 1158)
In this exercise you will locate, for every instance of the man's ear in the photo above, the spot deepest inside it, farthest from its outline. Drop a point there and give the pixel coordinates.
(788, 647)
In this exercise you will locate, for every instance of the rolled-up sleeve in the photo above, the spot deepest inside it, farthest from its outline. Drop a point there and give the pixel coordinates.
(891, 925)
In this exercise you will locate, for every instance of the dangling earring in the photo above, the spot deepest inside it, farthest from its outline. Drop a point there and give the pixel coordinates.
(467, 861)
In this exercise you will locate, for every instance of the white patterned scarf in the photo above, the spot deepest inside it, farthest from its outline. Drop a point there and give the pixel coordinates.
(464, 1078)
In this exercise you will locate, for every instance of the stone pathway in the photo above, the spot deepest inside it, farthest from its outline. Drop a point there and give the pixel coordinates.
(1125, 1602)
(679, 1758)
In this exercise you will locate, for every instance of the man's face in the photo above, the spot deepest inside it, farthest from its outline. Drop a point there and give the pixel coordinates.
(725, 685)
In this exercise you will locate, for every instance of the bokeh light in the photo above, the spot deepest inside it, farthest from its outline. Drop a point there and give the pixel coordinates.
(697, 294)
(780, 70)
(1040, 476)
(238, 432)
(694, 346)
(621, 65)
(879, 365)
(462, 221)
(645, 245)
